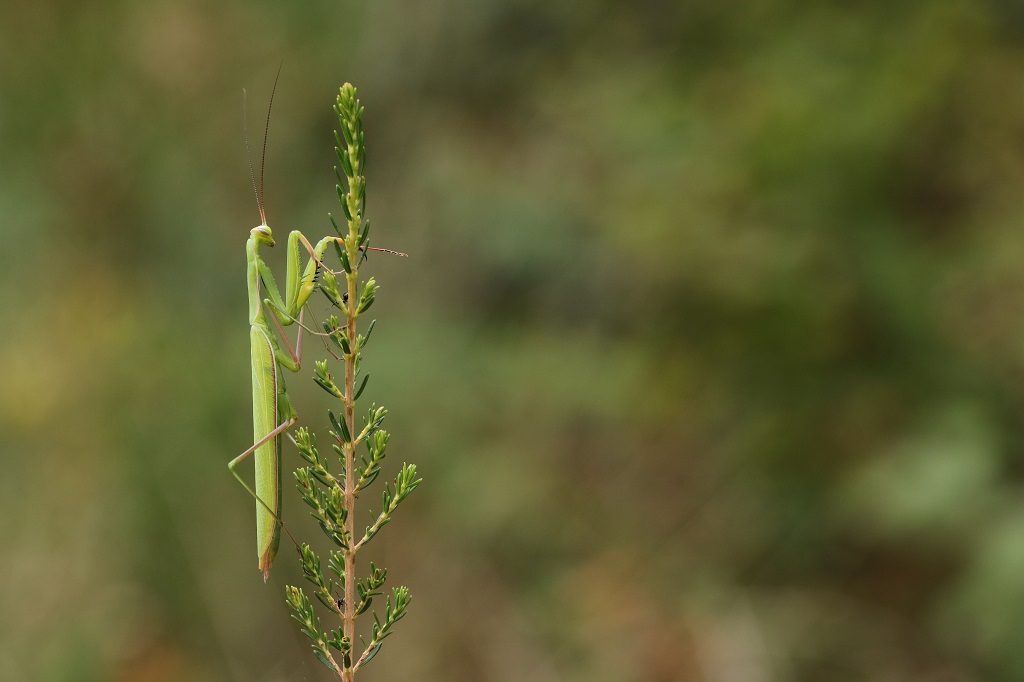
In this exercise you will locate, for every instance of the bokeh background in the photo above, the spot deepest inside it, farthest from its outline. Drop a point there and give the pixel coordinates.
(710, 348)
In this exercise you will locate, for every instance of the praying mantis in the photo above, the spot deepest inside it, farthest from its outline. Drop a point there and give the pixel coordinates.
(272, 410)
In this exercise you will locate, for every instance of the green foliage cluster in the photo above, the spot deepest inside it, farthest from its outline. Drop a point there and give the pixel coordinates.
(333, 497)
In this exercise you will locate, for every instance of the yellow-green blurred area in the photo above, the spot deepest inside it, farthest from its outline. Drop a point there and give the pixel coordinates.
(709, 348)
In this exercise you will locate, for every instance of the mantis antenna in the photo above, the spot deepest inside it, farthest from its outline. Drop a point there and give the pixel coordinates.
(260, 201)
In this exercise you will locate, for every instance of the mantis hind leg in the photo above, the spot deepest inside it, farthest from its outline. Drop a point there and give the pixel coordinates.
(281, 428)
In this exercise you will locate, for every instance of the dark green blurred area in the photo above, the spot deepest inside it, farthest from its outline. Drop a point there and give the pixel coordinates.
(710, 348)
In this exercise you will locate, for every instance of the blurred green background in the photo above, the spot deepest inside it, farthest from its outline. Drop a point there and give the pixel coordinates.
(710, 347)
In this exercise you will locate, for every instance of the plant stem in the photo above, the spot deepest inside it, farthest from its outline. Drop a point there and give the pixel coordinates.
(351, 315)
(350, 480)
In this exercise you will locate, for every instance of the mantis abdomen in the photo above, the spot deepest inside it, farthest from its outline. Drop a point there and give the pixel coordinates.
(268, 455)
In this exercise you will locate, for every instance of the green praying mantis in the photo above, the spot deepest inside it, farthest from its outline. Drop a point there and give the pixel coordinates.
(272, 411)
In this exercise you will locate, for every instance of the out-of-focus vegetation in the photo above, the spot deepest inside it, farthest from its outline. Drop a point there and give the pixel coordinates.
(710, 347)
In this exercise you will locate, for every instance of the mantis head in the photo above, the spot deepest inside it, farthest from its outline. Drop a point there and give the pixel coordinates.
(262, 234)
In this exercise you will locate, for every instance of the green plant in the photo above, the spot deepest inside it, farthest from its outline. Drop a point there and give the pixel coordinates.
(332, 497)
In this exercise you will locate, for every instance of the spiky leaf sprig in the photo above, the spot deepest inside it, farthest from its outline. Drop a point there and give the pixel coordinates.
(332, 496)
